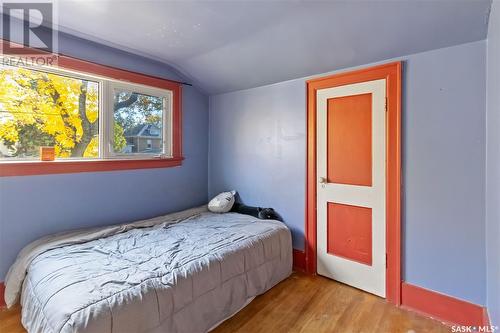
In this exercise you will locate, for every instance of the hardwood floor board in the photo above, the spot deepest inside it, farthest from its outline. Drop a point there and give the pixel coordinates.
(351, 313)
(328, 306)
(326, 309)
(271, 316)
(399, 320)
(306, 304)
(10, 321)
(290, 320)
(367, 314)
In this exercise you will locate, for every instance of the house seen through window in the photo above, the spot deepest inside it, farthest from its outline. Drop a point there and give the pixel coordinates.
(140, 118)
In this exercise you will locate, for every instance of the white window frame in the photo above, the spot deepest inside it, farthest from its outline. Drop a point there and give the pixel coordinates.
(110, 86)
(107, 87)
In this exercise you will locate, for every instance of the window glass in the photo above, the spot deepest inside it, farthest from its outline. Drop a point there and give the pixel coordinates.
(44, 109)
(138, 123)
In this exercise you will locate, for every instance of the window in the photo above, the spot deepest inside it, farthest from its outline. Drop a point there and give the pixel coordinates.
(81, 117)
(140, 122)
(90, 114)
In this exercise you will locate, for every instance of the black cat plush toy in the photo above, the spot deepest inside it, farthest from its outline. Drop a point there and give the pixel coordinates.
(258, 212)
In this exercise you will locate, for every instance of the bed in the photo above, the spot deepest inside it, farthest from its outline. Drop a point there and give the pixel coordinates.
(182, 272)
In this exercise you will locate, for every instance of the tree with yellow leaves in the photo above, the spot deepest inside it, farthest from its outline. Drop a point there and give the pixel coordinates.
(43, 109)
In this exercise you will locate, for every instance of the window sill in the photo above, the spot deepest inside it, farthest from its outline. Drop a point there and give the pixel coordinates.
(30, 168)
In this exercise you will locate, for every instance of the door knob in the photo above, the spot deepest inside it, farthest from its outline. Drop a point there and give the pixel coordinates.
(323, 180)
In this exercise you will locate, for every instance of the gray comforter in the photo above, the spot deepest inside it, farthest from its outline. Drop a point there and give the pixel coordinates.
(185, 273)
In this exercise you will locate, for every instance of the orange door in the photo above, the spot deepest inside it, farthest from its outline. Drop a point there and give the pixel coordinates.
(351, 187)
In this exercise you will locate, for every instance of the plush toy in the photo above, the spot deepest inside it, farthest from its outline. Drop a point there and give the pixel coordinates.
(258, 212)
(222, 203)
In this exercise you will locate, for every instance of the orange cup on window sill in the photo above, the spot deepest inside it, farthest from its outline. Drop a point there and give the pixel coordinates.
(47, 153)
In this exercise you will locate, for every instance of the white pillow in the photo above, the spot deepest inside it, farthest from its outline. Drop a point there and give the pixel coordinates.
(222, 203)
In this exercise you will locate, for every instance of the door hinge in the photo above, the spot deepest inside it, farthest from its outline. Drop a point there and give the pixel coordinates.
(386, 260)
(386, 104)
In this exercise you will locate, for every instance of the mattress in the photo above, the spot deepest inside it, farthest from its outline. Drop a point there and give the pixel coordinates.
(177, 273)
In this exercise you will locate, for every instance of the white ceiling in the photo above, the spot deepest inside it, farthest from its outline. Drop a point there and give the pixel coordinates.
(230, 45)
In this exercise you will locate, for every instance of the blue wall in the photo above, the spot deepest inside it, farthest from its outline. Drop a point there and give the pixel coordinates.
(34, 206)
(443, 169)
(257, 146)
(493, 166)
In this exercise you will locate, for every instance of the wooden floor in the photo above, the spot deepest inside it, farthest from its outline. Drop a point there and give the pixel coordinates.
(305, 303)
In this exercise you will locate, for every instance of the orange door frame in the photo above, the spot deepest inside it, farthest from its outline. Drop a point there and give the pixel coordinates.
(392, 74)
